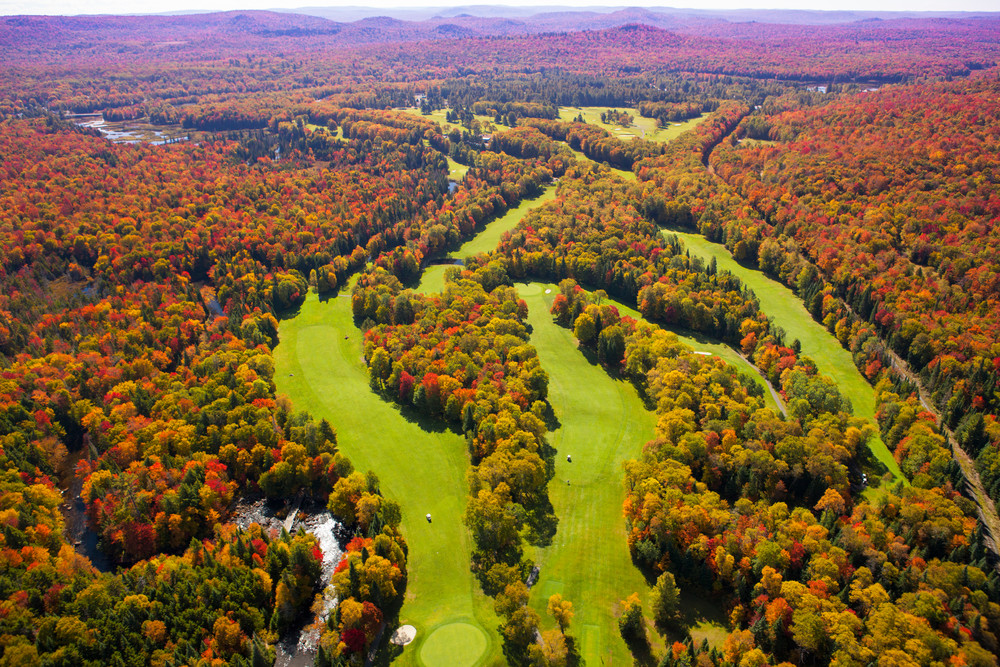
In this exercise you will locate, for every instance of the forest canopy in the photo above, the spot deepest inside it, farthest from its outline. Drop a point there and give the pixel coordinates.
(174, 189)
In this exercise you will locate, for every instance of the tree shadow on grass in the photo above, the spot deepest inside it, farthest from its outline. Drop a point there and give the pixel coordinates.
(552, 422)
(642, 651)
(426, 422)
(701, 615)
(645, 569)
(589, 354)
(541, 523)
(613, 371)
(289, 313)
(413, 415)
(573, 658)
(696, 336)
(332, 296)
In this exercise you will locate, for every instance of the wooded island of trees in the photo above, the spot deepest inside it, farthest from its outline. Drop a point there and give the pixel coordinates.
(779, 247)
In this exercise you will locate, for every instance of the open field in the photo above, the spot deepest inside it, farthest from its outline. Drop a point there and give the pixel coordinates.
(318, 364)
(439, 115)
(781, 304)
(338, 133)
(644, 128)
(456, 171)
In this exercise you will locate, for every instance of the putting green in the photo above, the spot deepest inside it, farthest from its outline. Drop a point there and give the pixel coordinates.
(318, 364)
(781, 304)
(453, 645)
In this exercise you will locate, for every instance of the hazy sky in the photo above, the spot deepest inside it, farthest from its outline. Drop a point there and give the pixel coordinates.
(132, 7)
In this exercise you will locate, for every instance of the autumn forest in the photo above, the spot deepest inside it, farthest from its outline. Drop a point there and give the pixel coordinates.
(576, 339)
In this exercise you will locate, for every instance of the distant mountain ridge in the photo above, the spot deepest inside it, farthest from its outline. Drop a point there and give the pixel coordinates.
(547, 13)
(23, 36)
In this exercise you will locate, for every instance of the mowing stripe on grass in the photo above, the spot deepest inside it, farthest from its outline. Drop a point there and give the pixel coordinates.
(603, 422)
(319, 366)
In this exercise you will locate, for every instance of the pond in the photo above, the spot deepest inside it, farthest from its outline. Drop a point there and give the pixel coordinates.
(131, 131)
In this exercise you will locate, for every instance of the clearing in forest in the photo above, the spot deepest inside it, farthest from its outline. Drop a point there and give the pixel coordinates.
(627, 175)
(644, 128)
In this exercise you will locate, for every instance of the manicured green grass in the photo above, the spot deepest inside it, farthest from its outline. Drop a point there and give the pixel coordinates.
(432, 279)
(456, 171)
(489, 237)
(757, 142)
(486, 240)
(337, 134)
(644, 128)
(319, 365)
(603, 422)
(454, 645)
(627, 175)
(781, 304)
(439, 116)
(434, 116)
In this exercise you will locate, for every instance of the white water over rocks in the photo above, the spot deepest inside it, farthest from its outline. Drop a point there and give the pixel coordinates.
(298, 648)
(325, 527)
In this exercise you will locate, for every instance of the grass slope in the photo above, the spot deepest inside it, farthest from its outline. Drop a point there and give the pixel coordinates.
(486, 240)
(781, 304)
(456, 171)
(318, 364)
(627, 175)
(603, 422)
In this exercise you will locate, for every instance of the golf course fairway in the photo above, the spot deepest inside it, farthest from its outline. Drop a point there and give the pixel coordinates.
(642, 127)
(787, 311)
(486, 240)
(702, 344)
(603, 422)
(319, 366)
